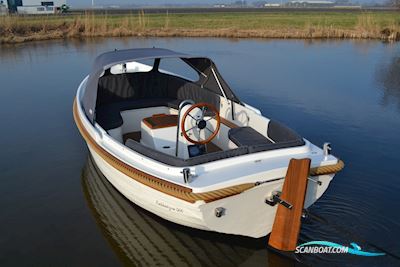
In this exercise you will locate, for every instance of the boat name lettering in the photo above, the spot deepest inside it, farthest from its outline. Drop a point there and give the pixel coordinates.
(162, 204)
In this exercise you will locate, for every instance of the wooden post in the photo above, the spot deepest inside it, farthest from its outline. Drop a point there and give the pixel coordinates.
(286, 228)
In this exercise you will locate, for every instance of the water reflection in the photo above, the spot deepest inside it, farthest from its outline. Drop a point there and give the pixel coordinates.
(140, 238)
(13, 53)
(389, 77)
(326, 90)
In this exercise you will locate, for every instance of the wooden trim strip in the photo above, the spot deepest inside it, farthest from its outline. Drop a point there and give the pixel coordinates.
(160, 121)
(329, 169)
(228, 123)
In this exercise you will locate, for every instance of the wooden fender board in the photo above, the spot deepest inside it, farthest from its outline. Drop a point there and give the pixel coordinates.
(286, 228)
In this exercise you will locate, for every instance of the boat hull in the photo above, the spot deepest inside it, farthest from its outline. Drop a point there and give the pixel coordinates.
(244, 214)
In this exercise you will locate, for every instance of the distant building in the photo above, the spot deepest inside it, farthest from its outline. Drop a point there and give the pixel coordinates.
(35, 6)
(3, 8)
(239, 3)
(272, 5)
(310, 3)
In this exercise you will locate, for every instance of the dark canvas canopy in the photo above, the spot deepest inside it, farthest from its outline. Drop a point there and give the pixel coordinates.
(209, 75)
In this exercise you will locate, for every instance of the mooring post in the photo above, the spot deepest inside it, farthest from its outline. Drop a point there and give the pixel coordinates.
(286, 228)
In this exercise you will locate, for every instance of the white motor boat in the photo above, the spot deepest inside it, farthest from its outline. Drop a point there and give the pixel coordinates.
(168, 132)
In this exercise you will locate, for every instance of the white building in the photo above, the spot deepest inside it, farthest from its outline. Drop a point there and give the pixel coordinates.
(35, 6)
(3, 7)
(310, 3)
(272, 5)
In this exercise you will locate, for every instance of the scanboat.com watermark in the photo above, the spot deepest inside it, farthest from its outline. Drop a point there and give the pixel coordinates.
(327, 247)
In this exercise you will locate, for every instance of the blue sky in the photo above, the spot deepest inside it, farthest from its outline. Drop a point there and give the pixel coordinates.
(161, 2)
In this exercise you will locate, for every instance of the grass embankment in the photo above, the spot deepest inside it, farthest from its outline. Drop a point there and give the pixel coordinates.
(358, 25)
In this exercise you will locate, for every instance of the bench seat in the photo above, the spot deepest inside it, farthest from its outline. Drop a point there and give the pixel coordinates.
(279, 135)
(109, 116)
(247, 136)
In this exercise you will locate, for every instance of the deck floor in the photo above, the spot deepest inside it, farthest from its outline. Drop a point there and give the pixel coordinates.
(133, 135)
(137, 135)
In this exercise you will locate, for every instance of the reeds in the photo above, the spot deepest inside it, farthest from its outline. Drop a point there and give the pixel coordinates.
(291, 25)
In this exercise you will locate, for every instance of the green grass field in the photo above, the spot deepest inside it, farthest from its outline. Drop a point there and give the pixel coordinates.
(272, 25)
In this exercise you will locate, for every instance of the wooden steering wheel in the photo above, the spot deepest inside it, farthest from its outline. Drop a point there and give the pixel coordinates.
(201, 123)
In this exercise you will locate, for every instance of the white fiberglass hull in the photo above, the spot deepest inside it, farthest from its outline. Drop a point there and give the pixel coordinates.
(225, 192)
(245, 214)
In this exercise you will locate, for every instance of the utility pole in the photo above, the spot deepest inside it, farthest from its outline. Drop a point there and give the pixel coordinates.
(92, 3)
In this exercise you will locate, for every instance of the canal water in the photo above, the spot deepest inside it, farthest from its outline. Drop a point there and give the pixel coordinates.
(58, 210)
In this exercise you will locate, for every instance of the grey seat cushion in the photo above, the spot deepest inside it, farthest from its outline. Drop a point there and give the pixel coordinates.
(247, 136)
(282, 136)
(281, 133)
(119, 92)
(109, 116)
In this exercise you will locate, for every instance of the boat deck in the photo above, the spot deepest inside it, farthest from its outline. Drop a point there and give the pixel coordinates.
(210, 147)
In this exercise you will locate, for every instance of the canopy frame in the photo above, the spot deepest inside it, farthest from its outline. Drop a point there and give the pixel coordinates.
(109, 59)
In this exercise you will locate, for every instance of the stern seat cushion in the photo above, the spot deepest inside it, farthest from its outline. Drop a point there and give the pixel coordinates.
(247, 136)
(281, 136)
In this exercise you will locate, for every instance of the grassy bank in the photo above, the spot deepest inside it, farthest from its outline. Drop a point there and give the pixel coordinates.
(373, 25)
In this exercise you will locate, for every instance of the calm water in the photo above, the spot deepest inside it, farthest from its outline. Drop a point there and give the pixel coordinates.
(56, 209)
